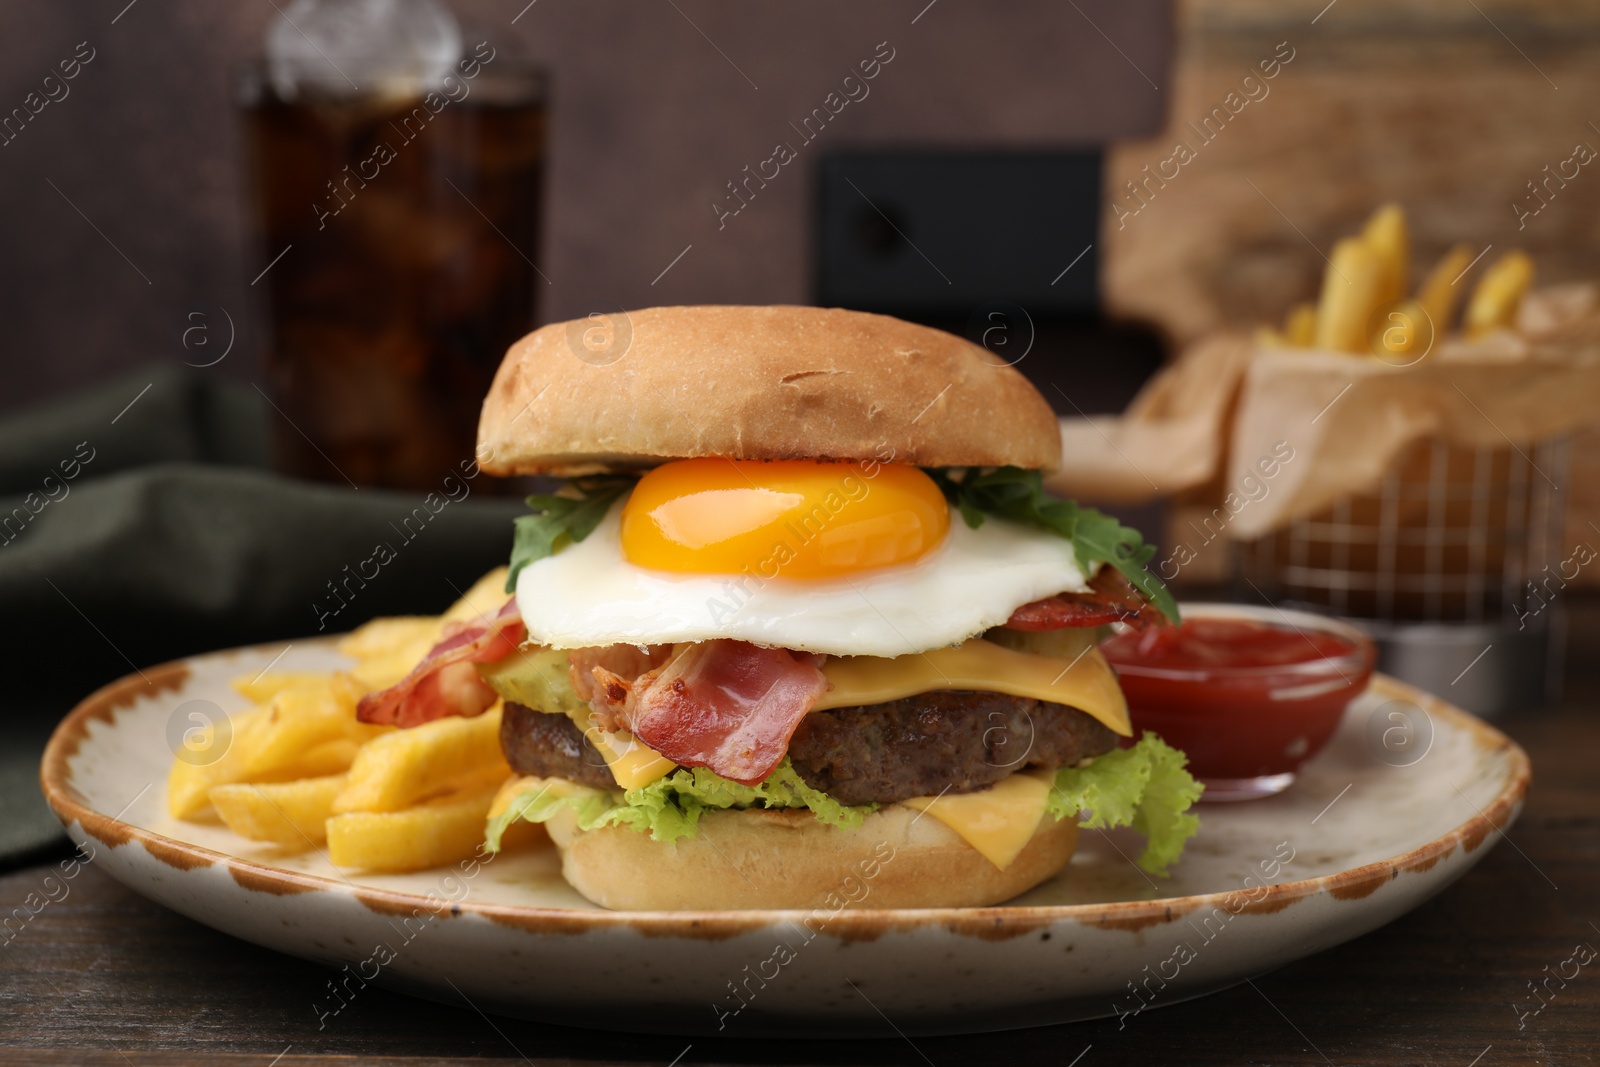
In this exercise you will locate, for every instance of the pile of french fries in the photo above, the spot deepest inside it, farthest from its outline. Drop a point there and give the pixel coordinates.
(301, 773)
(1364, 308)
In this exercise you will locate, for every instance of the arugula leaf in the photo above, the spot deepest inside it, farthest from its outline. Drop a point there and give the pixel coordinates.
(561, 519)
(1018, 495)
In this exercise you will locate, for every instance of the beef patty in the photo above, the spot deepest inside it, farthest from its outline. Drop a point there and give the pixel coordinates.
(916, 746)
(551, 746)
(877, 753)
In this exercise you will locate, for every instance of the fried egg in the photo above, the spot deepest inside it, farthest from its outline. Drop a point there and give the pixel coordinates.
(842, 559)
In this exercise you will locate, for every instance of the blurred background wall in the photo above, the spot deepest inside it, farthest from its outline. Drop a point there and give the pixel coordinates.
(123, 199)
(656, 106)
(1451, 108)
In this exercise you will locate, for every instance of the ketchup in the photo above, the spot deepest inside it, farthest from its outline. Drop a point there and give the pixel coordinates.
(1208, 643)
(1244, 697)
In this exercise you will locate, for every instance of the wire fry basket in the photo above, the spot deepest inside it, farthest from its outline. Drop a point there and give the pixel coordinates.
(1452, 535)
(1456, 551)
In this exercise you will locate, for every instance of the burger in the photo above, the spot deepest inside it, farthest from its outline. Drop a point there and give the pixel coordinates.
(800, 615)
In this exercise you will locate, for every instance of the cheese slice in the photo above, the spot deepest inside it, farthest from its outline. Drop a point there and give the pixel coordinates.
(998, 821)
(633, 763)
(1086, 683)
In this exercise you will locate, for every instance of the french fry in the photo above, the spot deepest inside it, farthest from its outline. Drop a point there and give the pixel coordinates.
(318, 761)
(1300, 328)
(380, 637)
(1403, 335)
(1349, 297)
(187, 786)
(298, 744)
(429, 835)
(305, 726)
(188, 783)
(1439, 294)
(1267, 337)
(1498, 294)
(1385, 234)
(385, 650)
(395, 771)
(295, 722)
(330, 757)
(382, 672)
(307, 730)
(487, 596)
(260, 688)
(291, 814)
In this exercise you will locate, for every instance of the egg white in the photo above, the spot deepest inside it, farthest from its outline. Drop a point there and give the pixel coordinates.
(588, 595)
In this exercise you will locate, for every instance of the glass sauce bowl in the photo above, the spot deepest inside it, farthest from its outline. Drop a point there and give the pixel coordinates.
(1248, 693)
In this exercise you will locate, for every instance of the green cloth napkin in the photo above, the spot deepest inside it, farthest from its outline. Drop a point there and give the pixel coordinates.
(138, 524)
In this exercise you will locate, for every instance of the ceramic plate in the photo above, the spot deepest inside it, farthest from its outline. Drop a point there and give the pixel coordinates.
(1408, 796)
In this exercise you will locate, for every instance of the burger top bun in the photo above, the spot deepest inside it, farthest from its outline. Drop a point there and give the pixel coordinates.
(623, 391)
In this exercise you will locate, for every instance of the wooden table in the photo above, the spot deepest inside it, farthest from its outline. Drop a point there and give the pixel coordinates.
(105, 977)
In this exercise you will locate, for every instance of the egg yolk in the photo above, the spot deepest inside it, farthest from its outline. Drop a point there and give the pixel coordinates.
(786, 518)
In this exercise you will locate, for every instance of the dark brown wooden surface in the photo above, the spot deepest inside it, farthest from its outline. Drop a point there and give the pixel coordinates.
(105, 977)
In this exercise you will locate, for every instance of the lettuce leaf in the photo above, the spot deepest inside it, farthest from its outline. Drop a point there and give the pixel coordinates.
(1145, 787)
(670, 807)
(541, 805)
(1018, 495)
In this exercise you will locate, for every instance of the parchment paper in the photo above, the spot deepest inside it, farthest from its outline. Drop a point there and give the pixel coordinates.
(1171, 438)
(1228, 403)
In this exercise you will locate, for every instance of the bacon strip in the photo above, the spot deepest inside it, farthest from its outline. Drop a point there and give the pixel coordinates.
(1112, 599)
(622, 661)
(445, 682)
(726, 705)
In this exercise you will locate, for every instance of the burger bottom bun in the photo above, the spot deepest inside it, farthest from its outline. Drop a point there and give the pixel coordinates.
(787, 859)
